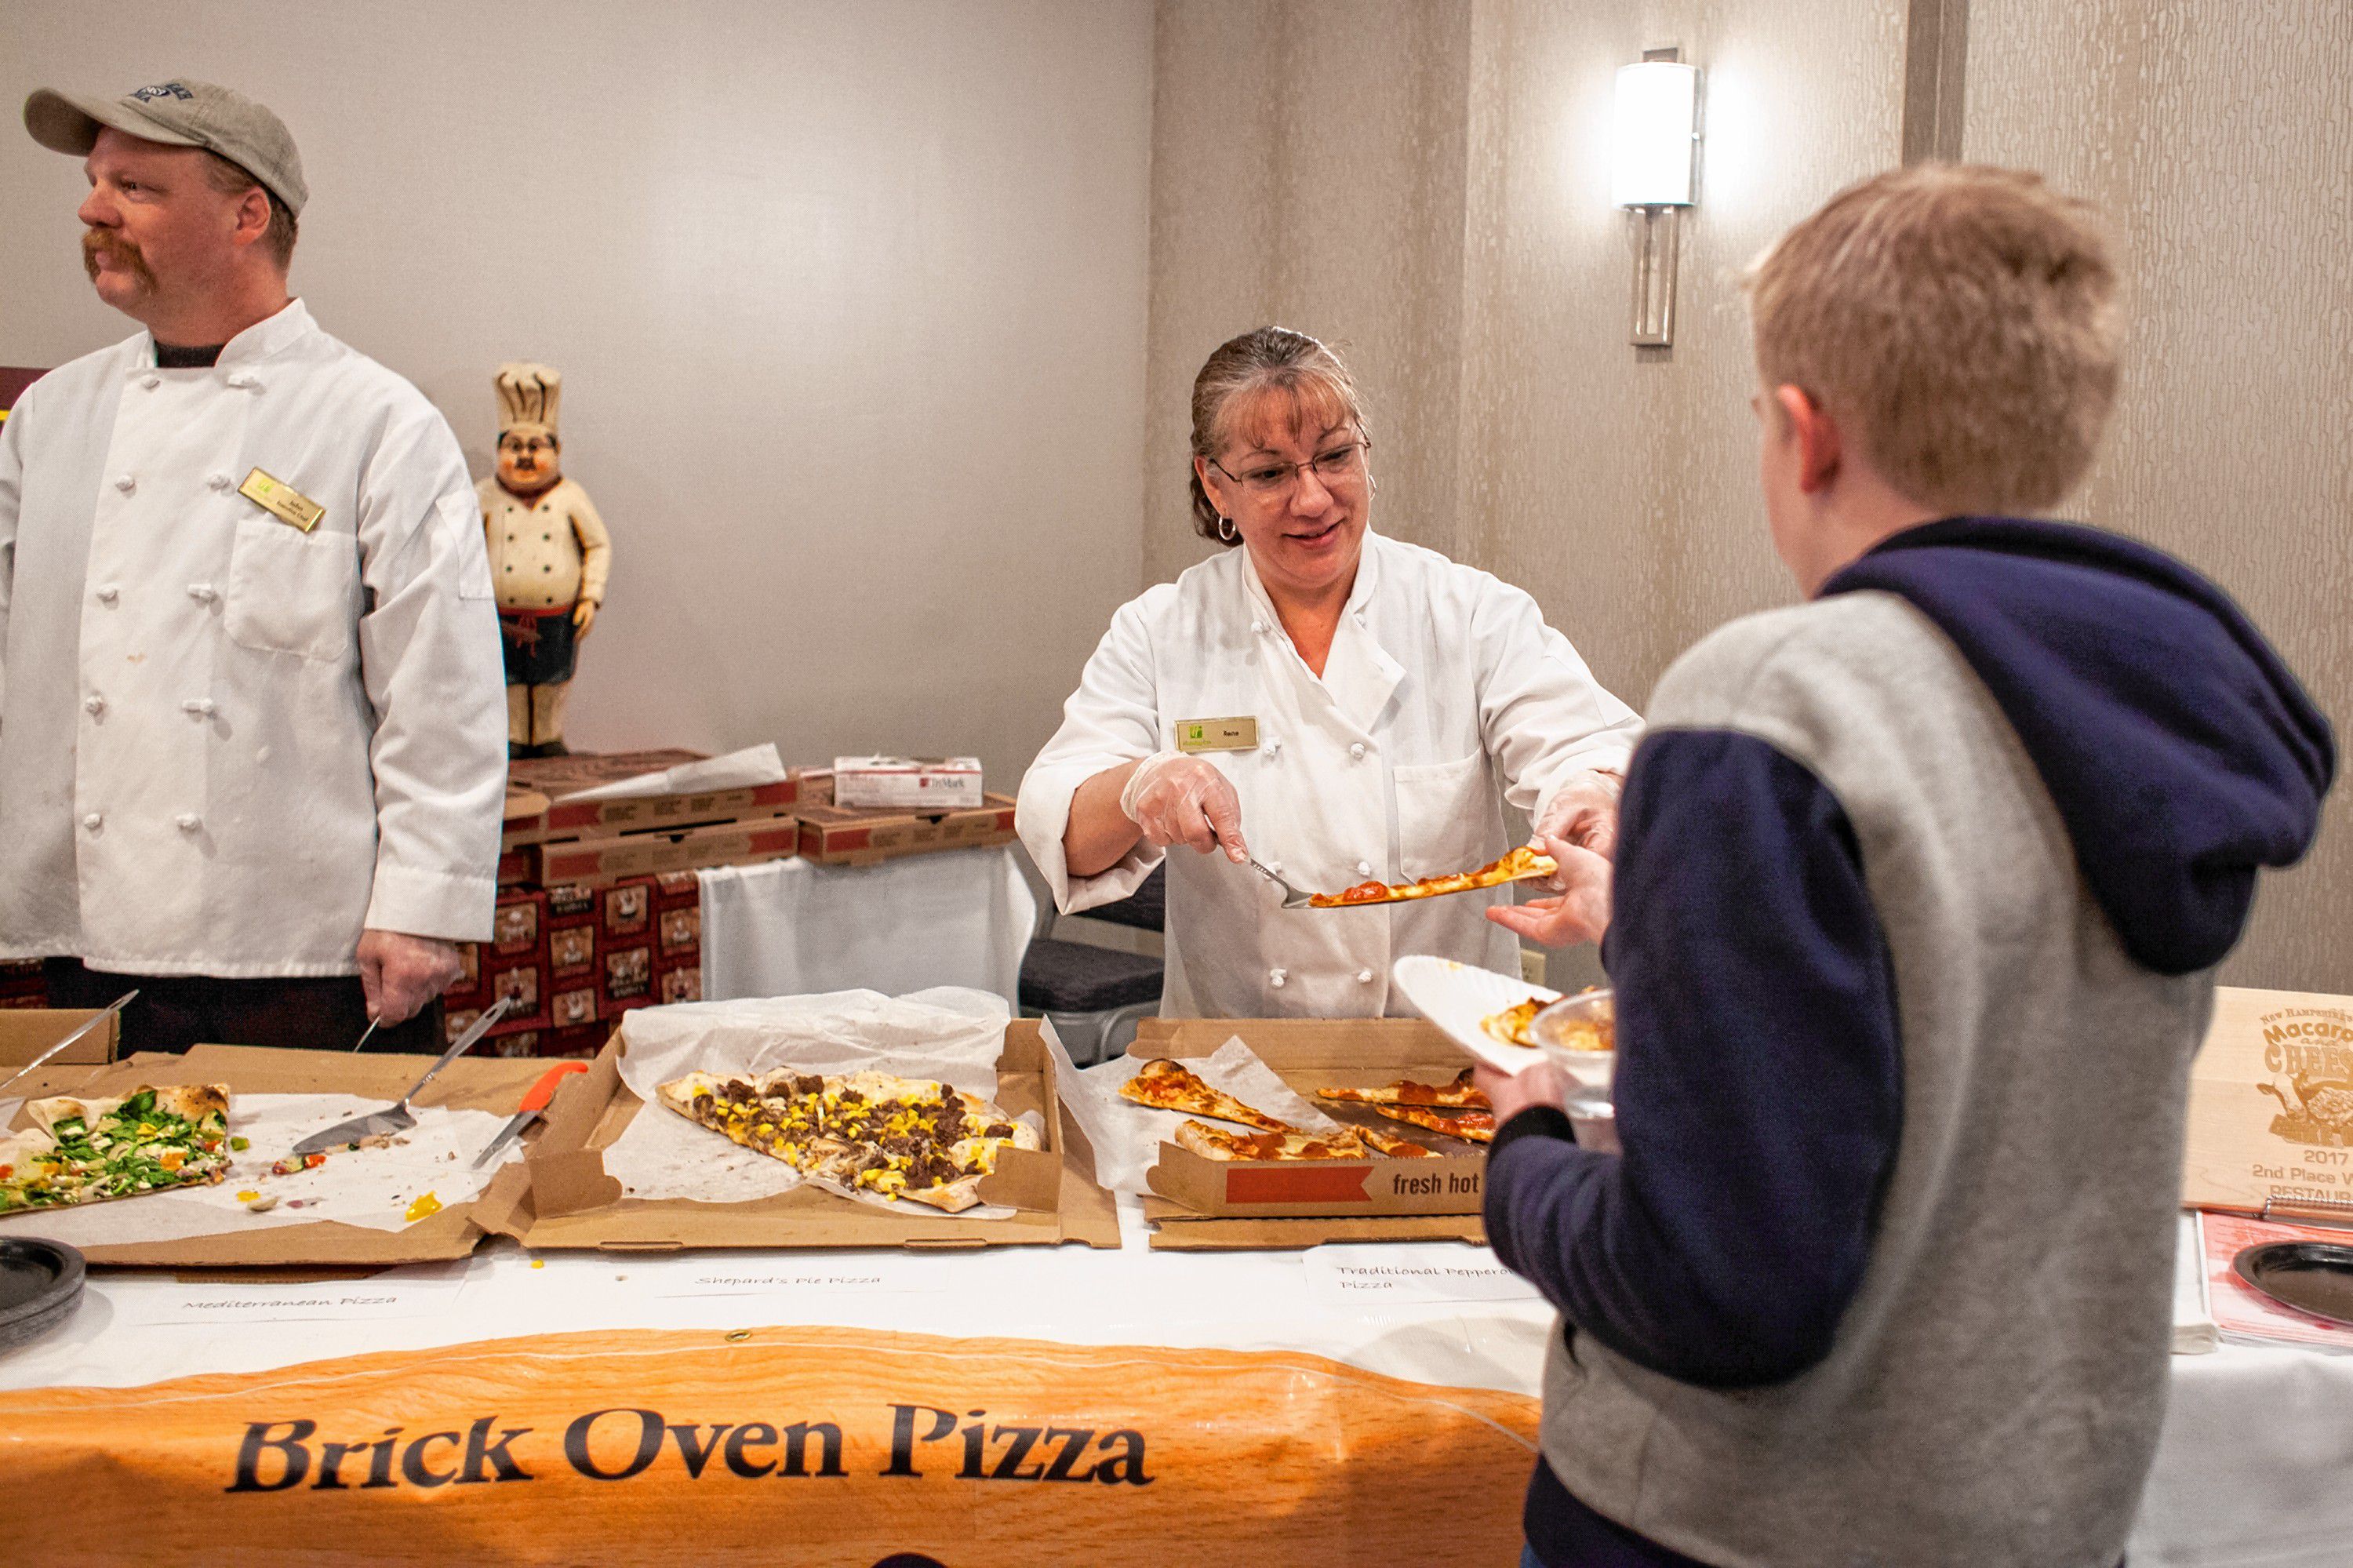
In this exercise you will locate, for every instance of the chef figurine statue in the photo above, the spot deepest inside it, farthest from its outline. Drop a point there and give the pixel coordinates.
(549, 556)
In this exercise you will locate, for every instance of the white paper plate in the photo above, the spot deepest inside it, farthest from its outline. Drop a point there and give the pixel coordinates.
(1456, 996)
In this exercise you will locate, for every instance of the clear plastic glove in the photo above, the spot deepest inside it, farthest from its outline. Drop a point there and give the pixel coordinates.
(1181, 800)
(1583, 811)
(1580, 912)
(400, 973)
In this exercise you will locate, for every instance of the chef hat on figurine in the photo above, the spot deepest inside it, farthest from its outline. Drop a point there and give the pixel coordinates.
(528, 396)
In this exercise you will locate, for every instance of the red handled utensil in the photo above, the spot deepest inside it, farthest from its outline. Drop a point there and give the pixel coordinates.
(533, 1103)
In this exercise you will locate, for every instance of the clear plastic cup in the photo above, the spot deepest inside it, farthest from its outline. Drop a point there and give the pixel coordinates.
(1579, 1033)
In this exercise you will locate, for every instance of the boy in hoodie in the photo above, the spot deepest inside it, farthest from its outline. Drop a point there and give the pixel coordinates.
(1920, 885)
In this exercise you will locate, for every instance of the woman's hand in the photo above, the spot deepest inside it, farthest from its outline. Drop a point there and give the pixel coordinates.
(1580, 911)
(1537, 1083)
(1584, 810)
(1181, 800)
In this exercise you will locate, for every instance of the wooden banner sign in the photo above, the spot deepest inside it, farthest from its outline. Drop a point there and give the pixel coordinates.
(835, 1446)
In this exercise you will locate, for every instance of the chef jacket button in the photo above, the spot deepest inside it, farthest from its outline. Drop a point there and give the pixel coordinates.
(203, 593)
(150, 381)
(109, 594)
(241, 382)
(125, 483)
(189, 822)
(1276, 977)
(199, 708)
(1364, 868)
(93, 704)
(1258, 628)
(1356, 751)
(1363, 976)
(1275, 866)
(217, 481)
(92, 820)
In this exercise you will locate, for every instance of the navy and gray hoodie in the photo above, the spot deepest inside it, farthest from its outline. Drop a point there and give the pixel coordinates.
(1765, 992)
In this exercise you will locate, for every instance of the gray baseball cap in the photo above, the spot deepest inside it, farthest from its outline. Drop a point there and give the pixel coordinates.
(180, 112)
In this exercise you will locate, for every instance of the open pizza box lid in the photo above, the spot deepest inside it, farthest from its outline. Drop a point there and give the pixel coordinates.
(572, 1203)
(1205, 1204)
(27, 1032)
(489, 1084)
(2271, 1107)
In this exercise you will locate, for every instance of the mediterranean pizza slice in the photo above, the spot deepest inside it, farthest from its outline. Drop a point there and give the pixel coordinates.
(90, 1151)
(1163, 1085)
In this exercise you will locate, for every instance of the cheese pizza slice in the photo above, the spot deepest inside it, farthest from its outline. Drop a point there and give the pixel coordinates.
(1217, 1143)
(1390, 1144)
(1165, 1085)
(1406, 1092)
(1473, 1127)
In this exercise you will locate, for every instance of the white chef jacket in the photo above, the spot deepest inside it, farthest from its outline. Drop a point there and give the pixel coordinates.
(1444, 693)
(226, 746)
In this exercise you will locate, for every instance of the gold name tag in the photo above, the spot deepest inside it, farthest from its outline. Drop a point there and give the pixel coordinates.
(281, 500)
(1217, 734)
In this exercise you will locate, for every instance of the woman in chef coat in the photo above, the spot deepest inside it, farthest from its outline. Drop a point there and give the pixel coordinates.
(1337, 704)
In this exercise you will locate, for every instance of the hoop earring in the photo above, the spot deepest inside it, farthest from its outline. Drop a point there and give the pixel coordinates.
(1226, 532)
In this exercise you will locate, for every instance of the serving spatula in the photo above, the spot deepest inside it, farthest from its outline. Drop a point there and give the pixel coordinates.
(397, 1116)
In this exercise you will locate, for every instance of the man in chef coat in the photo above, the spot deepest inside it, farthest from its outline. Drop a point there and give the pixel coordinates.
(252, 739)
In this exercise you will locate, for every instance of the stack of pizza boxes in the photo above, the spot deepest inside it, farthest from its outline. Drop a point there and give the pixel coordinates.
(21, 984)
(599, 907)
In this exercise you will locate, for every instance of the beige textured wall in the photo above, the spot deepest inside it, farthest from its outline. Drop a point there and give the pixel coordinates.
(2219, 136)
(849, 302)
(1307, 172)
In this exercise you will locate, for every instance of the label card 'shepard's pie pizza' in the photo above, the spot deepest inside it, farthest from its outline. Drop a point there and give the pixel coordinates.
(87, 1151)
(872, 1132)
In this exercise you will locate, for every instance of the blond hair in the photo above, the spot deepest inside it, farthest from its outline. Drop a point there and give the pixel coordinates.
(1959, 321)
(1309, 379)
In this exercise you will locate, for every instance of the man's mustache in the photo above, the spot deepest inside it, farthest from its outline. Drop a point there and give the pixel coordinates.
(97, 244)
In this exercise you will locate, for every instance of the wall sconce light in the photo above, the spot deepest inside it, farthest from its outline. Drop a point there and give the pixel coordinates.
(1655, 143)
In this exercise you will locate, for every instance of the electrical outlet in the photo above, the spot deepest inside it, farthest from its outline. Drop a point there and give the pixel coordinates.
(1532, 965)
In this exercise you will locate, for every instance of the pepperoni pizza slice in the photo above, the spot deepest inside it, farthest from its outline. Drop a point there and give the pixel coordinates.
(1460, 1094)
(1217, 1143)
(1472, 1125)
(1521, 865)
(1165, 1085)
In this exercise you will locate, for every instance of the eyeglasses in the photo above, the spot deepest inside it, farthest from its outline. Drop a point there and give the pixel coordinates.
(1342, 462)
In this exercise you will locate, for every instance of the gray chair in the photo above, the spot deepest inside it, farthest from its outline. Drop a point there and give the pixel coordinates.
(1094, 996)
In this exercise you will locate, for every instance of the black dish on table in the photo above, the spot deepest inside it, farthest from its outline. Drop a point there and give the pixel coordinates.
(40, 1283)
(2313, 1277)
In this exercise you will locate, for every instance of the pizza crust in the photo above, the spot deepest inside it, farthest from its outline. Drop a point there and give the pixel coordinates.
(1164, 1084)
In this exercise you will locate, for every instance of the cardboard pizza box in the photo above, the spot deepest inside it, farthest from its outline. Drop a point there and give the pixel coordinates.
(1225, 1204)
(2271, 1107)
(840, 835)
(470, 1082)
(572, 1203)
(27, 1032)
(740, 842)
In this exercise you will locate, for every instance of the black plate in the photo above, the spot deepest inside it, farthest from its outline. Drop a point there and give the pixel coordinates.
(40, 1281)
(2313, 1277)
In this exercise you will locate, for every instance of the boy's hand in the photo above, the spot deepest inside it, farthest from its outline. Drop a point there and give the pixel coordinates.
(1580, 912)
(1538, 1084)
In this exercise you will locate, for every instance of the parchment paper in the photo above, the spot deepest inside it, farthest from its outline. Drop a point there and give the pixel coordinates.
(371, 1188)
(950, 1034)
(1126, 1137)
(741, 770)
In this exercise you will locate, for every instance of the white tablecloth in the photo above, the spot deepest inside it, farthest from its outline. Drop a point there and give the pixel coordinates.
(790, 928)
(2256, 1470)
